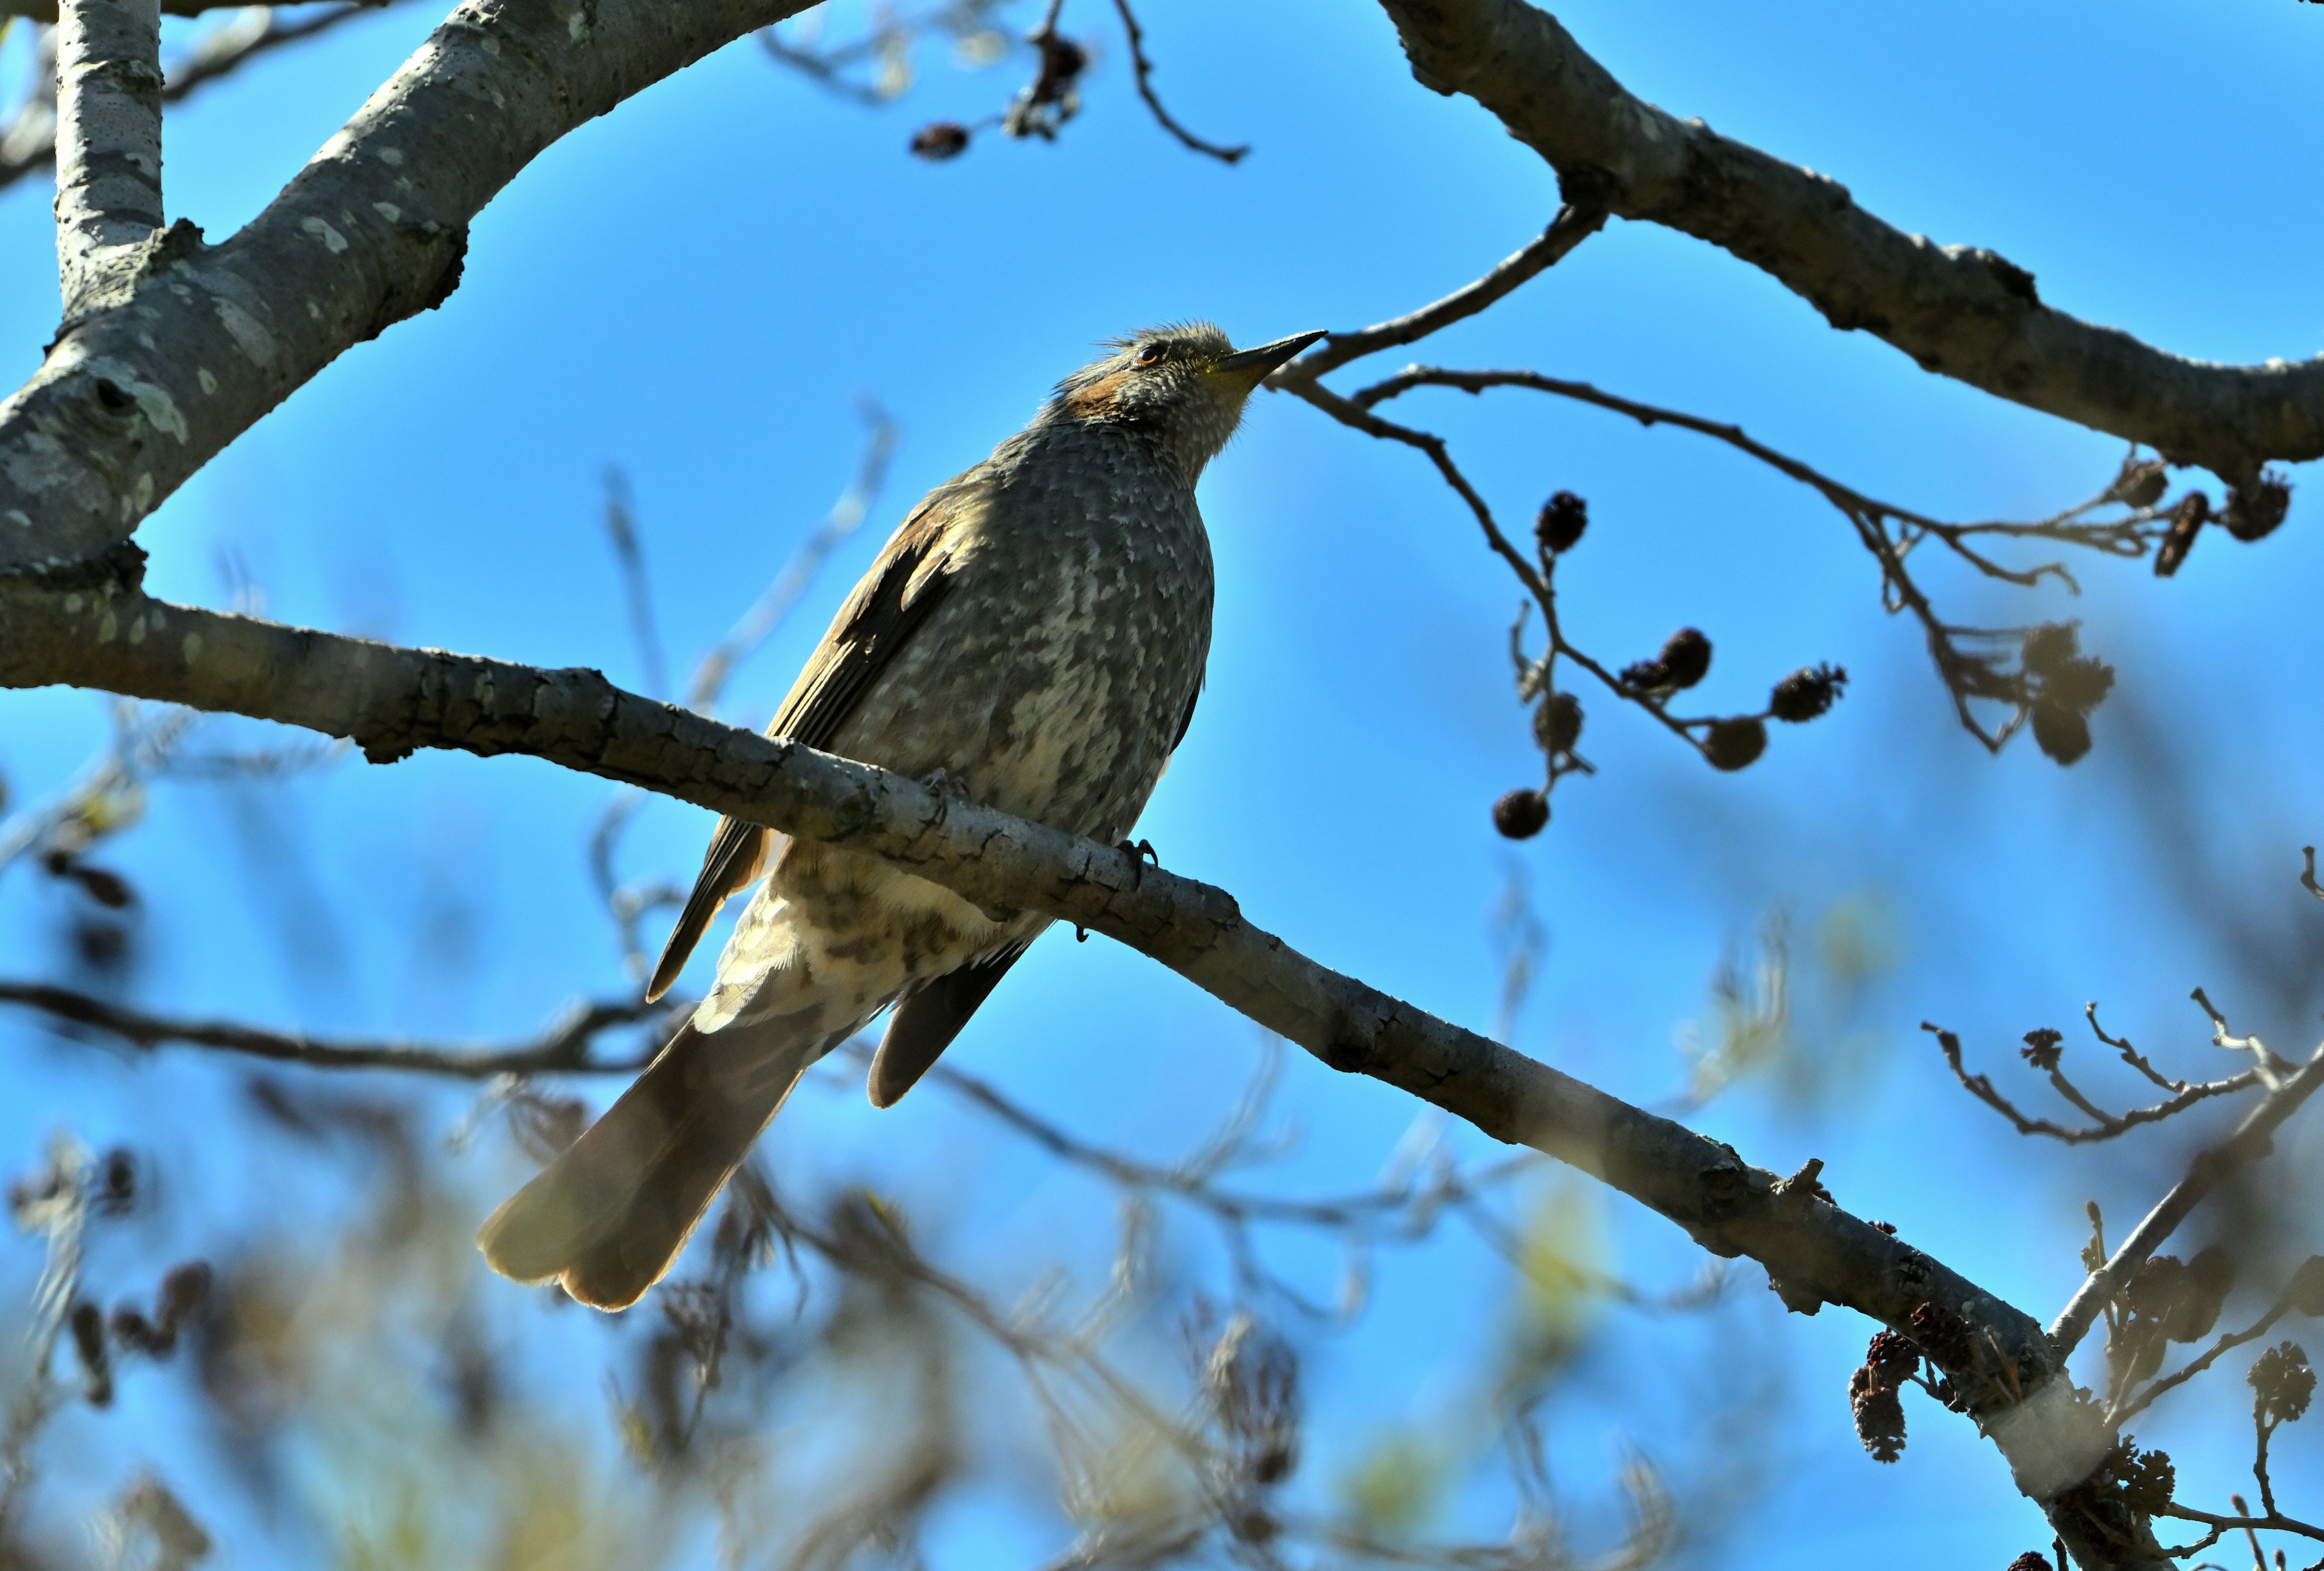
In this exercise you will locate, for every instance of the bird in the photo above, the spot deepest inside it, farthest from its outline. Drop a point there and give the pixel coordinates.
(1033, 636)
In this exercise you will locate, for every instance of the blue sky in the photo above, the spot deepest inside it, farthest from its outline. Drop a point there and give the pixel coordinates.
(696, 287)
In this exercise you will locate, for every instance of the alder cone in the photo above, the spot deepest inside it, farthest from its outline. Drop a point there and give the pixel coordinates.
(1735, 744)
(1521, 814)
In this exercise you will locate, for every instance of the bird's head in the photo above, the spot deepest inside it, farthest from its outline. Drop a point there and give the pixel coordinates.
(1182, 386)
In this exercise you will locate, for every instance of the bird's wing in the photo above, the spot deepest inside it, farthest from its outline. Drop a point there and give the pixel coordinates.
(893, 600)
(1186, 720)
(927, 1021)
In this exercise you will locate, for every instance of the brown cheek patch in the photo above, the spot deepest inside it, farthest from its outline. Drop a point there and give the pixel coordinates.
(1099, 396)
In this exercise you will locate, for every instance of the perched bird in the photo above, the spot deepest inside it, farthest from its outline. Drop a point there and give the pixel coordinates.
(1033, 637)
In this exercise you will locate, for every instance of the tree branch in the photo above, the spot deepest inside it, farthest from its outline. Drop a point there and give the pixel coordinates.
(130, 402)
(1957, 310)
(392, 700)
(1574, 223)
(1144, 70)
(2253, 1138)
(108, 149)
(564, 1046)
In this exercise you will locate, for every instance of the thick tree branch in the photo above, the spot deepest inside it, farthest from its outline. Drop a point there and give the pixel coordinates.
(108, 148)
(134, 401)
(391, 700)
(1957, 310)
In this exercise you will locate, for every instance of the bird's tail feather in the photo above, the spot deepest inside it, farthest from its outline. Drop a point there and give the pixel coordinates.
(609, 1217)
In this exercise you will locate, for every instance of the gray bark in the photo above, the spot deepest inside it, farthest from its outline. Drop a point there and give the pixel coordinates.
(132, 402)
(1957, 310)
(104, 633)
(108, 148)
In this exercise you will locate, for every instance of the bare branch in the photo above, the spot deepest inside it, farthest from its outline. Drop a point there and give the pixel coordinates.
(1889, 532)
(1573, 224)
(564, 1047)
(28, 141)
(392, 700)
(2273, 1521)
(130, 401)
(2252, 1139)
(622, 529)
(847, 513)
(1957, 310)
(109, 150)
(2106, 1125)
(1144, 69)
(2203, 1361)
(259, 31)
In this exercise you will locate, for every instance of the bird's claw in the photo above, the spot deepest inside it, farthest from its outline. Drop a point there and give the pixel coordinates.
(948, 790)
(1139, 853)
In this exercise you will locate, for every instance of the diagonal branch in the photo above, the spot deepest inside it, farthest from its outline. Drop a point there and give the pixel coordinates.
(392, 700)
(1574, 223)
(1957, 310)
(108, 148)
(2252, 1138)
(133, 401)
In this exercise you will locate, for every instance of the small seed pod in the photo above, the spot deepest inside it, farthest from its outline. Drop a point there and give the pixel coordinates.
(2284, 1382)
(2140, 482)
(1879, 1415)
(2061, 733)
(183, 1292)
(1735, 744)
(1557, 723)
(2080, 684)
(939, 140)
(2041, 1049)
(2254, 511)
(2049, 647)
(1521, 814)
(1807, 693)
(1685, 659)
(1559, 524)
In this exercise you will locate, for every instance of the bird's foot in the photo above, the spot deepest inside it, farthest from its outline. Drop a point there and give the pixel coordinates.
(948, 790)
(1139, 852)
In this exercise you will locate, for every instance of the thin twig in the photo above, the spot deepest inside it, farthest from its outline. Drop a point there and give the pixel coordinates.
(1574, 223)
(760, 622)
(2252, 1139)
(622, 529)
(2108, 1125)
(2196, 1365)
(1144, 69)
(563, 1048)
(2274, 1523)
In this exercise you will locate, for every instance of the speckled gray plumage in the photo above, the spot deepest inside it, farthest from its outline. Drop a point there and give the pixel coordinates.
(1050, 683)
(1037, 632)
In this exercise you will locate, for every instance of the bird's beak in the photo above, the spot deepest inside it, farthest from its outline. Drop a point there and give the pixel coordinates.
(1248, 367)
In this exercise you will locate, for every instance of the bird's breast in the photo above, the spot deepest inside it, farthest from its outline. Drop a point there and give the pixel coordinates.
(1051, 681)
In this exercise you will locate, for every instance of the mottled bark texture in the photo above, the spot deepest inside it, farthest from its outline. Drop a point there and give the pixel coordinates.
(104, 633)
(1957, 310)
(134, 400)
(108, 149)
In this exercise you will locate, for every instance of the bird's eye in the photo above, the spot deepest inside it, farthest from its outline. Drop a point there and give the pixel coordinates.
(1153, 354)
